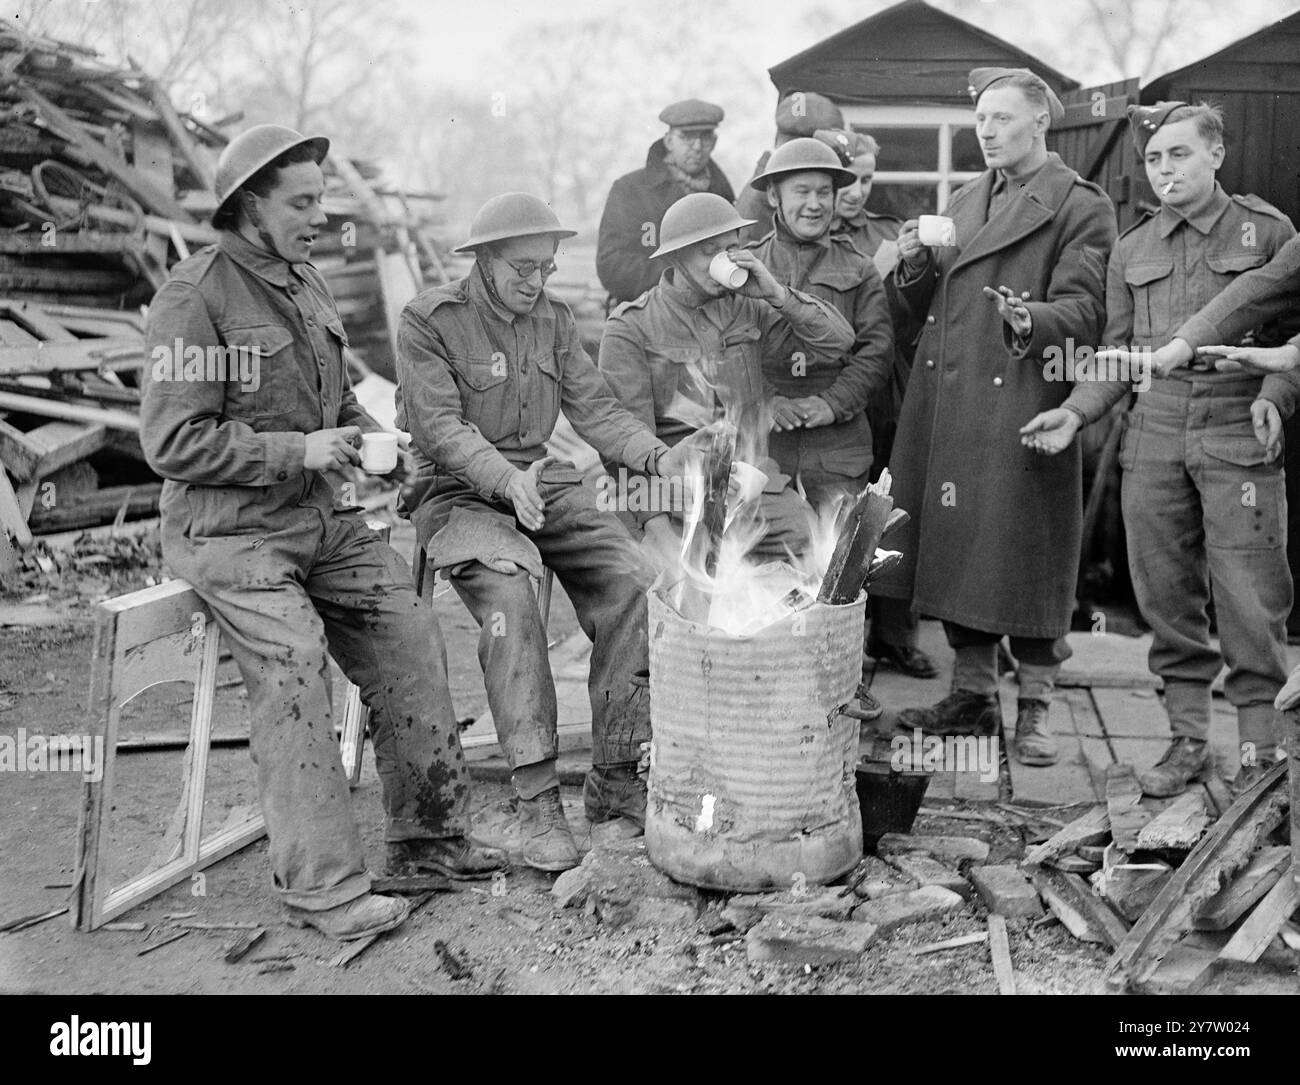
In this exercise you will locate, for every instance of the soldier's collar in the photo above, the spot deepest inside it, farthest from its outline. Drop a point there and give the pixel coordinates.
(1203, 220)
(791, 238)
(265, 265)
(682, 291)
(481, 296)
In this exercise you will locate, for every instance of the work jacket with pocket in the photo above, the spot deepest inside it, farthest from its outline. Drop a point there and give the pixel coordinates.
(232, 448)
(1166, 268)
(480, 388)
(832, 269)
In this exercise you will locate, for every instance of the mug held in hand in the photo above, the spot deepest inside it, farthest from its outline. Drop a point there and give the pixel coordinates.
(936, 230)
(724, 270)
(378, 452)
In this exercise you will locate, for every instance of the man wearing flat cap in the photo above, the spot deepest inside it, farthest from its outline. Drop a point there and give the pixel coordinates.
(993, 545)
(675, 166)
(799, 114)
(1203, 494)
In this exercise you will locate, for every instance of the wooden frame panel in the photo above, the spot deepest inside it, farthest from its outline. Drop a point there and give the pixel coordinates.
(164, 634)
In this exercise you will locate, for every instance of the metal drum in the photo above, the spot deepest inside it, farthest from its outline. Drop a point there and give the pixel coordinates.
(751, 766)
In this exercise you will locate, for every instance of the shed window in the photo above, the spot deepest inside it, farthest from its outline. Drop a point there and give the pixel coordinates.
(927, 153)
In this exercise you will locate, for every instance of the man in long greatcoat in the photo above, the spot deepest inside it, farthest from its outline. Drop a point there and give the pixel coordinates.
(993, 545)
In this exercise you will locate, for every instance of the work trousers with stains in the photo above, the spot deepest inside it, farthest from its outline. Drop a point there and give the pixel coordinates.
(1206, 520)
(604, 576)
(288, 580)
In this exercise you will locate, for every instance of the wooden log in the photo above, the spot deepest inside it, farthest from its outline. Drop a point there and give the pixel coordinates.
(855, 548)
(99, 507)
(44, 357)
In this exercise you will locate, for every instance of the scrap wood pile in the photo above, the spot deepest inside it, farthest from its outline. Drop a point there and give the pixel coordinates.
(104, 185)
(1195, 894)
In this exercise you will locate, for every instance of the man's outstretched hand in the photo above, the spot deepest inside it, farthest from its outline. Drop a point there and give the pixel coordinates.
(1051, 431)
(1012, 308)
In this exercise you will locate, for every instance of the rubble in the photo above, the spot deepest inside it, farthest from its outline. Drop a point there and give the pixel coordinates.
(1005, 890)
(807, 940)
(889, 913)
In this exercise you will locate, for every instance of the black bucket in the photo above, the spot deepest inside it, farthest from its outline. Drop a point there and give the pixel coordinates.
(888, 798)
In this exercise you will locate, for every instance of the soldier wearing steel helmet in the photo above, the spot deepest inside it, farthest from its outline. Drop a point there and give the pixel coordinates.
(692, 341)
(484, 366)
(249, 519)
(822, 429)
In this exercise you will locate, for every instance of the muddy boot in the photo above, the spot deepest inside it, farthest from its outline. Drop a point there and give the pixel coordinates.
(457, 857)
(548, 840)
(960, 713)
(1035, 744)
(1184, 760)
(359, 918)
(615, 798)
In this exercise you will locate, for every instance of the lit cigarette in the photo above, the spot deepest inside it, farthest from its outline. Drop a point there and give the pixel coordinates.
(1167, 189)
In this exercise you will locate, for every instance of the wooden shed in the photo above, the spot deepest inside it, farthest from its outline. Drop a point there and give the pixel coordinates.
(901, 75)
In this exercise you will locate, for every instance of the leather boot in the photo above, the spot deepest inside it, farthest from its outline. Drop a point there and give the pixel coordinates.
(906, 658)
(615, 799)
(1035, 744)
(1184, 760)
(359, 918)
(458, 857)
(548, 840)
(960, 713)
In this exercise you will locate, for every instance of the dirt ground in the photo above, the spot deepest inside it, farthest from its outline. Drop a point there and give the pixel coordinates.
(512, 938)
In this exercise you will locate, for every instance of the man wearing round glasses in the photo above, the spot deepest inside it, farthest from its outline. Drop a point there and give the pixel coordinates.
(675, 166)
(484, 366)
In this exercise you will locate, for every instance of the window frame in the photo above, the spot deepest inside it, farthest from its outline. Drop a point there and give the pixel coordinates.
(877, 120)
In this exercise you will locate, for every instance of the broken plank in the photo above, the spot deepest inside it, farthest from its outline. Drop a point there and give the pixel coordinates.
(43, 450)
(951, 943)
(1000, 952)
(1130, 887)
(1092, 828)
(1178, 827)
(1263, 924)
(1124, 806)
(238, 949)
(1224, 850)
(70, 412)
(12, 520)
(164, 942)
(1230, 903)
(1079, 912)
(25, 921)
(952, 848)
(141, 187)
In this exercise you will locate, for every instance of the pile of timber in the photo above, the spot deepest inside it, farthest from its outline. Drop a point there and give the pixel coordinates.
(104, 185)
(1189, 894)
